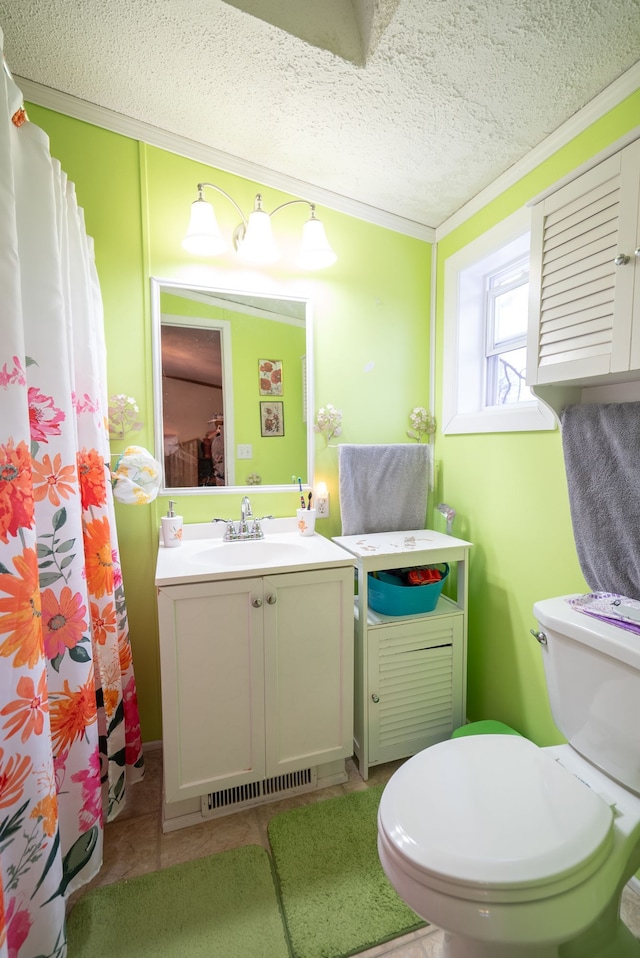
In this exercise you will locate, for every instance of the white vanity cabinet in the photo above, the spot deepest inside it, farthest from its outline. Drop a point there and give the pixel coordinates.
(257, 677)
(410, 671)
(584, 309)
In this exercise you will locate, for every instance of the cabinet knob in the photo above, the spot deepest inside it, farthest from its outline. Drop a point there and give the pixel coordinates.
(256, 603)
(621, 259)
(272, 599)
(375, 698)
(636, 252)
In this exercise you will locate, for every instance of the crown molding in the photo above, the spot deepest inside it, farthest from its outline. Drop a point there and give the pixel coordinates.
(139, 130)
(610, 97)
(100, 116)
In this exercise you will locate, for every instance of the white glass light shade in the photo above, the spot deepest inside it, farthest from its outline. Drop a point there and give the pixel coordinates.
(315, 251)
(258, 245)
(203, 234)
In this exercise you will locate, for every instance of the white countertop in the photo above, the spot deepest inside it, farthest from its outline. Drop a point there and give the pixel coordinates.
(405, 544)
(204, 556)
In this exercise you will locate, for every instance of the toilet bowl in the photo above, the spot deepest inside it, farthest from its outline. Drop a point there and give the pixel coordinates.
(513, 849)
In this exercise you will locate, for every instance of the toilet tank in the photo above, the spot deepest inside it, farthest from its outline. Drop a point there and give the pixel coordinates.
(592, 671)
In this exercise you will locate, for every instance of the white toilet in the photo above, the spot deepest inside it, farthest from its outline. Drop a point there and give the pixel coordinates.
(516, 850)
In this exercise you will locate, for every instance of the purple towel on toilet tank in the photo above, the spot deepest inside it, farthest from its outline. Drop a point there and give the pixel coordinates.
(601, 444)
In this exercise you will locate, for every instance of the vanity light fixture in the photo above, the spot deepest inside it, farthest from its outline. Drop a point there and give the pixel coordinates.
(253, 237)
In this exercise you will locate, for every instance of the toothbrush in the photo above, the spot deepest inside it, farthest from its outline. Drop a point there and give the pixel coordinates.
(309, 502)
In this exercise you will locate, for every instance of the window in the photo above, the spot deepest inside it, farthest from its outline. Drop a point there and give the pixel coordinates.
(506, 305)
(485, 337)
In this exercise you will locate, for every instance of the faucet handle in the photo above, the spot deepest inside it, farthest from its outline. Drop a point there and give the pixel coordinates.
(256, 529)
(230, 532)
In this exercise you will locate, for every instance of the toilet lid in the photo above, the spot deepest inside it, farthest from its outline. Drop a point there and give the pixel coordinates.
(494, 810)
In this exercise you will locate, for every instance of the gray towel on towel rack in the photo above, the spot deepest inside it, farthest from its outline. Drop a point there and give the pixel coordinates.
(383, 488)
(601, 444)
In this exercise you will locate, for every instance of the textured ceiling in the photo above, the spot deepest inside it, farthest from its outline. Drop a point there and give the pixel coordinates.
(413, 114)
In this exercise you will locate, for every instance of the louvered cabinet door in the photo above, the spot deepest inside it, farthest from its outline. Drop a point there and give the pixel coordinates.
(581, 303)
(415, 685)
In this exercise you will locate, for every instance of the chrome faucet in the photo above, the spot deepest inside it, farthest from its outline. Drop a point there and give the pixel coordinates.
(234, 533)
(245, 513)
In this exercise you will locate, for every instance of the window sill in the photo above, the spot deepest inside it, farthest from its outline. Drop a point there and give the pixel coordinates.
(526, 417)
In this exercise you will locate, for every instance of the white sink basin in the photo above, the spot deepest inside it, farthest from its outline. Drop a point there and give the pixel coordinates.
(204, 557)
(259, 553)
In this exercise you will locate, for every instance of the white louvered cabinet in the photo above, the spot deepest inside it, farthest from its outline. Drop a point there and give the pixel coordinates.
(584, 309)
(410, 671)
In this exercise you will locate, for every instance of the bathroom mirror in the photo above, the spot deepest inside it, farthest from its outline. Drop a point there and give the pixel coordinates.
(233, 389)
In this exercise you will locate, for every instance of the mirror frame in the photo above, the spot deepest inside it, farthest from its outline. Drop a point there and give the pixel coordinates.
(157, 286)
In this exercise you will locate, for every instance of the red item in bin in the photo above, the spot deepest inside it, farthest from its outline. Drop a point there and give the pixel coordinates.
(423, 576)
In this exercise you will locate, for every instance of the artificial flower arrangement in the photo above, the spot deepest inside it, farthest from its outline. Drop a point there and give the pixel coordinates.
(328, 422)
(122, 416)
(422, 423)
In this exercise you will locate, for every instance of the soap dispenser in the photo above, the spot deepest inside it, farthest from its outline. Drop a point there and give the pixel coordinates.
(171, 528)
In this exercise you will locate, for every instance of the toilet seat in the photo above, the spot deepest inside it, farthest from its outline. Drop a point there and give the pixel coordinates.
(496, 813)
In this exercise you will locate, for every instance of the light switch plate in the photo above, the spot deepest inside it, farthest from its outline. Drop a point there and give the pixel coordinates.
(245, 451)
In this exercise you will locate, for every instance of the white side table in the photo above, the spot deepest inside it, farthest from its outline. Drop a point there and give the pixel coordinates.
(410, 671)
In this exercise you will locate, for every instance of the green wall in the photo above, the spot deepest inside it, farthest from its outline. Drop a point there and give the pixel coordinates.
(370, 315)
(371, 322)
(516, 508)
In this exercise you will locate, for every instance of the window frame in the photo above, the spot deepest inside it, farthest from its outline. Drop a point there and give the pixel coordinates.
(464, 408)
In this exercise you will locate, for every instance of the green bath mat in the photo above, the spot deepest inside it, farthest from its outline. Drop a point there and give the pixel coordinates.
(336, 898)
(223, 906)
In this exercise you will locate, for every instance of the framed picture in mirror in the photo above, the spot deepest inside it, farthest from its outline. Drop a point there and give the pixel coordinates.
(270, 377)
(271, 419)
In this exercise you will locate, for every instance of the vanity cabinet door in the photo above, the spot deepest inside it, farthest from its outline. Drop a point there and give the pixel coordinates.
(308, 623)
(212, 663)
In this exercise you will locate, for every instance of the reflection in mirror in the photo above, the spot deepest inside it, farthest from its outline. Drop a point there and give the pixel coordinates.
(232, 389)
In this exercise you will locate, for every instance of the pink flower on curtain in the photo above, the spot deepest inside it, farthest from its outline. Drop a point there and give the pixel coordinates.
(28, 710)
(18, 924)
(117, 571)
(89, 778)
(63, 621)
(52, 480)
(131, 722)
(44, 417)
(13, 377)
(16, 494)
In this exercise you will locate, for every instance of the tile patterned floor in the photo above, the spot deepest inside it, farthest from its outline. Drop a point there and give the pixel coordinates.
(135, 845)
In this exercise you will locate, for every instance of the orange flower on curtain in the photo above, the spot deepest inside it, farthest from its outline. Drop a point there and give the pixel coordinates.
(20, 612)
(16, 493)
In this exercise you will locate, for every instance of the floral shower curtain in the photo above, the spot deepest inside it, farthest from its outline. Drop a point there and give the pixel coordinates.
(69, 727)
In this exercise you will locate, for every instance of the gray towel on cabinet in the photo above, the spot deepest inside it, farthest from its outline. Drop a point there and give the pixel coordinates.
(601, 444)
(383, 488)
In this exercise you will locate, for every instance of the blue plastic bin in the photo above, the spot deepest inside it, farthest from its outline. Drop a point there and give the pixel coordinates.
(389, 595)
